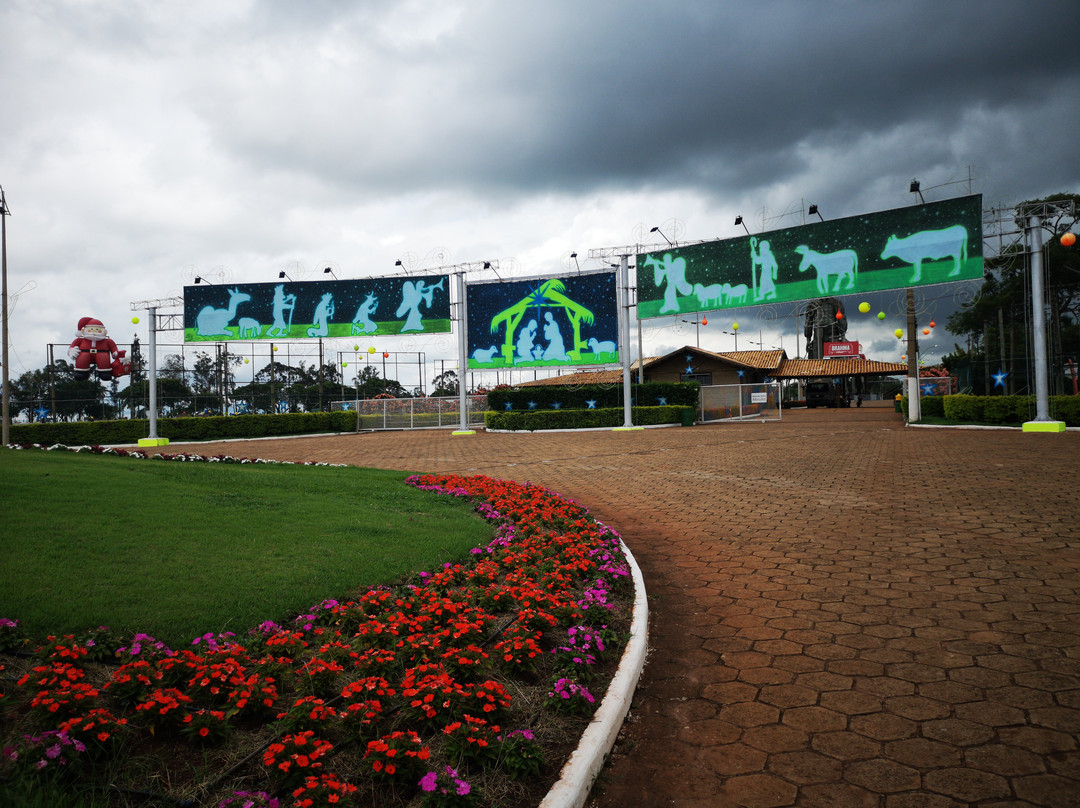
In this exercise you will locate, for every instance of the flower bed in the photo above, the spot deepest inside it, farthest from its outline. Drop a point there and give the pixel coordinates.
(464, 686)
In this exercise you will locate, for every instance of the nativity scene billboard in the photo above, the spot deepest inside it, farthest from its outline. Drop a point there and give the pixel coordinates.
(310, 309)
(543, 322)
(937, 242)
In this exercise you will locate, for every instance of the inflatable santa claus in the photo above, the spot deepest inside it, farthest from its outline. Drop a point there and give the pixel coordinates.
(92, 348)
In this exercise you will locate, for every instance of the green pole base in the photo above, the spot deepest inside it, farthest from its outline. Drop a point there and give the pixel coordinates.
(153, 441)
(628, 429)
(1044, 426)
(463, 432)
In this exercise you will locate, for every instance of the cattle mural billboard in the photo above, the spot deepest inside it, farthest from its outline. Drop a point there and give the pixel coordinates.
(936, 242)
(543, 322)
(310, 309)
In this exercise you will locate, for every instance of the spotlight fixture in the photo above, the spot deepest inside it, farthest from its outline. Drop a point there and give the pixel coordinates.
(738, 221)
(283, 274)
(330, 271)
(198, 279)
(661, 232)
(814, 211)
(914, 189)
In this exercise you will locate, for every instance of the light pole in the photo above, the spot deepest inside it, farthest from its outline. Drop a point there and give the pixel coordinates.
(4, 213)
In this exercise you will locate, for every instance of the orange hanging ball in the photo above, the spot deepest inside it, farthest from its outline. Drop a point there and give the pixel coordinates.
(1068, 239)
(704, 320)
(932, 324)
(926, 331)
(839, 315)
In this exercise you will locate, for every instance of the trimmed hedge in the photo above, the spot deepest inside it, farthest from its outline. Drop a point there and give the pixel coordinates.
(606, 396)
(213, 427)
(995, 409)
(582, 419)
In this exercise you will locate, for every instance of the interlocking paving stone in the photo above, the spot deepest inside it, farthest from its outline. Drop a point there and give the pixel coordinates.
(844, 611)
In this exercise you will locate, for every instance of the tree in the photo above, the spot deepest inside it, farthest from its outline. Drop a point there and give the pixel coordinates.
(996, 322)
(445, 384)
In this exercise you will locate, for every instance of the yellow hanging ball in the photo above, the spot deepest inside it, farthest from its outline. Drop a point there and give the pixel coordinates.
(356, 347)
(135, 320)
(371, 349)
(735, 325)
(899, 333)
(344, 364)
(247, 361)
(881, 315)
(864, 307)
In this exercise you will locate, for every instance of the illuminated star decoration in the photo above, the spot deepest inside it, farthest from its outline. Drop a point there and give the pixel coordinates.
(283, 406)
(41, 412)
(556, 405)
(927, 389)
(767, 380)
(345, 405)
(532, 405)
(662, 401)
(689, 358)
(999, 378)
(689, 370)
(509, 405)
(591, 404)
(742, 373)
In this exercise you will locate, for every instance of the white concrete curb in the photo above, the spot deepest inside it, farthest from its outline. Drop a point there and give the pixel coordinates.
(579, 773)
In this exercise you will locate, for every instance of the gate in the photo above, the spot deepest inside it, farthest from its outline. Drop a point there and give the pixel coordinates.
(414, 413)
(740, 402)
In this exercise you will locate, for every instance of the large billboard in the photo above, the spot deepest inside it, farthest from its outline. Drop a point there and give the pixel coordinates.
(311, 309)
(923, 244)
(543, 322)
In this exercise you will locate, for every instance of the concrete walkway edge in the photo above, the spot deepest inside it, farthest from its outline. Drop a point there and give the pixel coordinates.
(579, 773)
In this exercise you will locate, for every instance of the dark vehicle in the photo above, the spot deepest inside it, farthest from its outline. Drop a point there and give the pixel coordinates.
(826, 394)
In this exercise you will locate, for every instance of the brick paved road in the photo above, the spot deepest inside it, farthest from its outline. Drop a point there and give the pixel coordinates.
(845, 612)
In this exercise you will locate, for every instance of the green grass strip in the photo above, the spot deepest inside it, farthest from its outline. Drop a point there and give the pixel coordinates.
(176, 550)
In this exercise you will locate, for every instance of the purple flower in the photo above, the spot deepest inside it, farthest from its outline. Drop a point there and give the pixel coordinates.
(428, 781)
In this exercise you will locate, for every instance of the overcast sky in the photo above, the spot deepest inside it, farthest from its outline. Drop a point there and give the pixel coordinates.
(145, 142)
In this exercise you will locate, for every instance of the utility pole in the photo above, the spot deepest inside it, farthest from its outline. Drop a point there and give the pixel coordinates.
(5, 439)
(914, 407)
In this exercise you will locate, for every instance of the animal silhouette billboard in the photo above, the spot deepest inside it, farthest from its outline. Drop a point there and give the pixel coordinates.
(937, 242)
(312, 309)
(569, 320)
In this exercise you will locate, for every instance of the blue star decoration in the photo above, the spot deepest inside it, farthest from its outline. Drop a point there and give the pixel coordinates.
(689, 370)
(509, 405)
(41, 412)
(927, 389)
(662, 401)
(999, 378)
(767, 380)
(532, 405)
(556, 405)
(689, 358)
(742, 373)
(346, 405)
(591, 404)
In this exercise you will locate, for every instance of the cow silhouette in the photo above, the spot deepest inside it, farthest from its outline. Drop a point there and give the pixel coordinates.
(840, 265)
(929, 245)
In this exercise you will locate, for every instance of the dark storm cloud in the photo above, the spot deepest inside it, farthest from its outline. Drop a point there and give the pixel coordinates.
(567, 96)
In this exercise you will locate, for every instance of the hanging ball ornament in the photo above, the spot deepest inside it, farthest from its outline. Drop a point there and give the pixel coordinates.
(385, 355)
(899, 333)
(881, 315)
(135, 320)
(839, 315)
(735, 325)
(247, 361)
(704, 320)
(864, 307)
(356, 347)
(1068, 239)
(275, 348)
(925, 331)
(371, 349)
(932, 324)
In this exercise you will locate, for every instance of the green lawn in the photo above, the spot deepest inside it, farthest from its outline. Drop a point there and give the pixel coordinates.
(179, 549)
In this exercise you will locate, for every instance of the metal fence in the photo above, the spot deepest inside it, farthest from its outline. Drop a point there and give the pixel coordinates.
(740, 402)
(414, 413)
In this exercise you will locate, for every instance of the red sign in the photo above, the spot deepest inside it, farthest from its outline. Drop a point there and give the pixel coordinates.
(841, 349)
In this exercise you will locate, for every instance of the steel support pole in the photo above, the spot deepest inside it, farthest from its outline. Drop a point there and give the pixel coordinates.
(1042, 421)
(463, 358)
